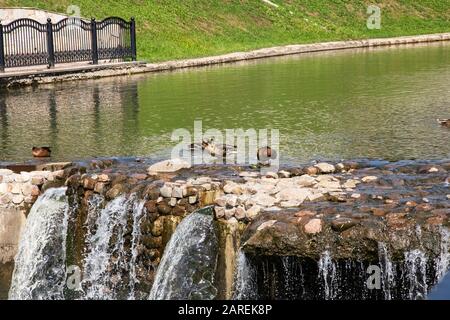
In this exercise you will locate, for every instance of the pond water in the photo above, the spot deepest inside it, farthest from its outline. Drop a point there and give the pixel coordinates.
(366, 103)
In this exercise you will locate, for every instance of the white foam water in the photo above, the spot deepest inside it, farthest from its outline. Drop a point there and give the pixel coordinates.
(40, 270)
(245, 287)
(327, 273)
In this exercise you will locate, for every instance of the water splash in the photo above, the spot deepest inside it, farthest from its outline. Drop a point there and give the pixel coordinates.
(245, 287)
(327, 273)
(415, 269)
(387, 270)
(187, 268)
(40, 270)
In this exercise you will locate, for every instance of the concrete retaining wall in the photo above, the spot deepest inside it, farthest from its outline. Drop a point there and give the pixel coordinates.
(7, 15)
(70, 73)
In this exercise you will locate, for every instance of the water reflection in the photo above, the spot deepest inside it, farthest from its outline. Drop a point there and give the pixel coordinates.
(348, 104)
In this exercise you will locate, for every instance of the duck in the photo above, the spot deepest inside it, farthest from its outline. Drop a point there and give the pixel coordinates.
(444, 122)
(265, 154)
(41, 152)
(217, 150)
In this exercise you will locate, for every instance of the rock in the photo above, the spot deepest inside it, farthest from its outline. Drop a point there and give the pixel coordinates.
(289, 204)
(220, 212)
(252, 212)
(115, 191)
(272, 175)
(201, 180)
(5, 172)
(89, 183)
(166, 191)
(266, 224)
(284, 174)
(336, 197)
(26, 189)
(192, 199)
(171, 165)
(231, 200)
(35, 191)
(355, 196)
(240, 213)
(17, 199)
(367, 179)
(100, 187)
(293, 194)
(229, 213)
(139, 176)
(313, 226)
(152, 242)
(378, 212)
(173, 202)
(248, 174)
(232, 220)
(448, 196)
(263, 200)
(164, 208)
(3, 188)
(150, 206)
(177, 192)
(103, 178)
(311, 171)
(221, 201)
(325, 167)
(39, 180)
(305, 213)
(5, 199)
(207, 186)
(305, 181)
(342, 224)
(350, 183)
(191, 191)
(16, 188)
(157, 227)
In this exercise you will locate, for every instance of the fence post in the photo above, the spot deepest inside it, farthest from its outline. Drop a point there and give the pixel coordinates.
(94, 41)
(2, 50)
(133, 39)
(50, 47)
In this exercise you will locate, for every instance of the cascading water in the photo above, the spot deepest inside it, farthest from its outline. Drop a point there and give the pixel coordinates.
(107, 257)
(245, 287)
(416, 273)
(327, 273)
(187, 268)
(40, 263)
(387, 270)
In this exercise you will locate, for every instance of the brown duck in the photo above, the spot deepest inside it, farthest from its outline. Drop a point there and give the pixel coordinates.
(444, 122)
(41, 152)
(265, 154)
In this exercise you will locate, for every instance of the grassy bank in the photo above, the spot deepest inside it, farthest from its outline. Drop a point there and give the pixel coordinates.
(175, 29)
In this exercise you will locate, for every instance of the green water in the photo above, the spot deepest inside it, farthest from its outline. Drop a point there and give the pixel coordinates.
(379, 103)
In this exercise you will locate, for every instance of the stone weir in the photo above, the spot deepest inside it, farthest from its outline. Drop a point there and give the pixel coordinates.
(321, 225)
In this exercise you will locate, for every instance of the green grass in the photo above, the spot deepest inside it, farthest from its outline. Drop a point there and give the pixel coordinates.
(175, 29)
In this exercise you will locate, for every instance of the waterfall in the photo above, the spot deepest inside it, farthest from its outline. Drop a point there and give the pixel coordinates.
(443, 260)
(327, 273)
(387, 270)
(138, 209)
(40, 262)
(245, 287)
(107, 255)
(416, 273)
(187, 268)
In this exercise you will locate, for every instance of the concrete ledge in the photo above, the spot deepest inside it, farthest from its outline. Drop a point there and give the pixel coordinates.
(72, 72)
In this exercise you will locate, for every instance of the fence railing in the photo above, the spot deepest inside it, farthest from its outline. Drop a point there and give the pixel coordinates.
(26, 42)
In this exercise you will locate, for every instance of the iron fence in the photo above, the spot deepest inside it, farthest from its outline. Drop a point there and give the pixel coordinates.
(26, 42)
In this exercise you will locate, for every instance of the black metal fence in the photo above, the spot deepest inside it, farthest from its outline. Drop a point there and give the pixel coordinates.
(26, 42)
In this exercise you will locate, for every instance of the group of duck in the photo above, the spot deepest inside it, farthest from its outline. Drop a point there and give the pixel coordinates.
(264, 154)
